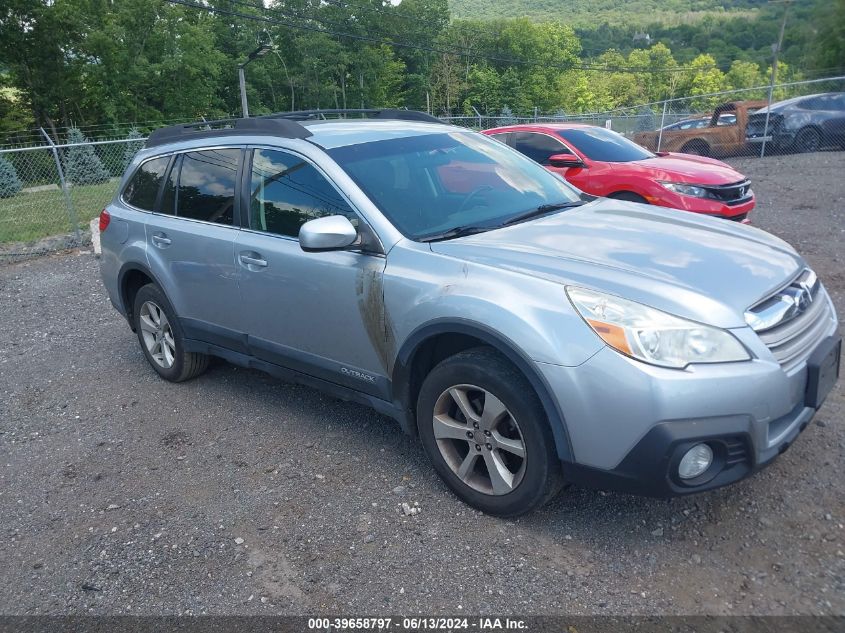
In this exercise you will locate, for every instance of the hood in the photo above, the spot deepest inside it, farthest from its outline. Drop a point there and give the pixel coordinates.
(706, 269)
(780, 105)
(686, 168)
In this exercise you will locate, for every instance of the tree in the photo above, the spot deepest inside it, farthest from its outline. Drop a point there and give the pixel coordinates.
(506, 116)
(646, 120)
(132, 147)
(484, 90)
(82, 165)
(10, 184)
(744, 75)
(830, 44)
(705, 79)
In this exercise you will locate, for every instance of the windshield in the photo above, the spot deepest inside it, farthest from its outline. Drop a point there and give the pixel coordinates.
(606, 146)
(434, 183)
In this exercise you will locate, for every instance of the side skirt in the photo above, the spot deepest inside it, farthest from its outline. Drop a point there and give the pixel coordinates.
(291, 375)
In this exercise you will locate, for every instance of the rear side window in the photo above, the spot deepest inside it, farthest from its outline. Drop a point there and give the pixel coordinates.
(287, 192)
(206, 188)
(142, 190)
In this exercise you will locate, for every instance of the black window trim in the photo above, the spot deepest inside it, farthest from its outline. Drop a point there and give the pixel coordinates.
(174, 160)
(123, 200)
(174, 155)
(246, 183)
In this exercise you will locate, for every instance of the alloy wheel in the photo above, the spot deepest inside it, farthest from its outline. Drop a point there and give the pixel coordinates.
(479, 439)
(157, 334)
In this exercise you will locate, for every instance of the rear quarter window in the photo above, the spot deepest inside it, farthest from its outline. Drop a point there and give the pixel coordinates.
(142, 190)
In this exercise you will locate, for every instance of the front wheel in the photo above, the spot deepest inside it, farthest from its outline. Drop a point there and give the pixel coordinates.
(161, 337)
(485, 432)
(808, 140)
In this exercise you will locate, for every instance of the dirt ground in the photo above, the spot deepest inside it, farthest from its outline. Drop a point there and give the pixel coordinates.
(238, 494)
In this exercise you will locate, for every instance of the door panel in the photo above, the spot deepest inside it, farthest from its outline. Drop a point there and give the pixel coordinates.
(193, 257)
(319, 313)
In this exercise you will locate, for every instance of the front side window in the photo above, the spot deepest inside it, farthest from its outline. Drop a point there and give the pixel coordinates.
(286, 192)
(538, 147)
(432, 183)
(206, 188)
(602, 145)
(142, 190)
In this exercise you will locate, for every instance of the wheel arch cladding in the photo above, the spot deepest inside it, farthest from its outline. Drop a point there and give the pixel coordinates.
(131, 278)
(425, 346)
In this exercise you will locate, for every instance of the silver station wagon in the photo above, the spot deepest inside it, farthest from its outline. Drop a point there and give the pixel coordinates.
(529, 334)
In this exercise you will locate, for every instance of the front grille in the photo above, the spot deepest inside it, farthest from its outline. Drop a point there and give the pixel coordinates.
(792, 342)
(792, 321)
(734, 193)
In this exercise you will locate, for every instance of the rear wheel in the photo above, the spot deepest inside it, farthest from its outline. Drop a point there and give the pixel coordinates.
(486, 434)
(808, 140)
(161, 337)
(697, 148)
(630, 196)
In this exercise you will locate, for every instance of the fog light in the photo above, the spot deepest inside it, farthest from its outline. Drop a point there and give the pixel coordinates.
(695, 461)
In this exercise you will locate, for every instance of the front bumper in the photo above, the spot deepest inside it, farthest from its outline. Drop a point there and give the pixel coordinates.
(650, 466)
(630, 423)
(735, 211)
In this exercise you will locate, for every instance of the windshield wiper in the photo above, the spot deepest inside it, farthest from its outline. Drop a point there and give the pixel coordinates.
(458, 231)
(543, 209)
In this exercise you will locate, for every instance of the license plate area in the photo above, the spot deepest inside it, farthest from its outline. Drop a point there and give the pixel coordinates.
(823, 370)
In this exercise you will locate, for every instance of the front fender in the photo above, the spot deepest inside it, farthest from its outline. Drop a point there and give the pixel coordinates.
(402, 371)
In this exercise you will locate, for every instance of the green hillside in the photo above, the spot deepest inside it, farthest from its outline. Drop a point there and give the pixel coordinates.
(590, 12)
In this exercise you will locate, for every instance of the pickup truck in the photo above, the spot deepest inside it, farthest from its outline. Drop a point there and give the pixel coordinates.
(724, 136)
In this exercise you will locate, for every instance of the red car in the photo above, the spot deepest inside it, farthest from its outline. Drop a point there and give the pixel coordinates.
(604, 163)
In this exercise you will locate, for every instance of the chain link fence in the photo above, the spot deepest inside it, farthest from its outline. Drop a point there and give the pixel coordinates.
(49, 193)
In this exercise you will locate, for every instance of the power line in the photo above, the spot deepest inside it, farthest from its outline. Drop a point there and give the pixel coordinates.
(452, 51)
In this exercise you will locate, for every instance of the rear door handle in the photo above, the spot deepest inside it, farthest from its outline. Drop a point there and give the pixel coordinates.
(253, 259)
(160, 240)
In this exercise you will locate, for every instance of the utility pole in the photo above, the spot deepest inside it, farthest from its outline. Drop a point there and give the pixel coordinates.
(775, 53)
(265, 45)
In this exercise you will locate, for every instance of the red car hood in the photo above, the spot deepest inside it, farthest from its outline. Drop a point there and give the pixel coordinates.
(686, 168)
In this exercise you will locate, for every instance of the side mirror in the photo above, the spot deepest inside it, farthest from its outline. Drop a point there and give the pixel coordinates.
(565, 160)
(331, 233)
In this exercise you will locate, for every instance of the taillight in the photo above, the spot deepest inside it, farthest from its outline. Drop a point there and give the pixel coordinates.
(105, 218)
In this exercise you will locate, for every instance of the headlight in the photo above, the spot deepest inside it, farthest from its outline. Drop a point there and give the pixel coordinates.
(687, 190)
(653, 336)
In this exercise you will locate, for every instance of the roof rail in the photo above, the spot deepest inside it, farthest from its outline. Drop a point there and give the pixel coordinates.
(258, 126)
(369, 113)
(284, 124)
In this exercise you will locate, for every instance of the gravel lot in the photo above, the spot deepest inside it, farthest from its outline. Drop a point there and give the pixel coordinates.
(239, 494)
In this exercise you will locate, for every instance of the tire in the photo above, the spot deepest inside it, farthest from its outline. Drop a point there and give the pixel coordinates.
(487, 383)
(807, 140)
(161, 338)
(629, 196)
(697, 148)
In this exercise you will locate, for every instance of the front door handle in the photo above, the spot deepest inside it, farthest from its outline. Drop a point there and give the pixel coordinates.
(160, 240)
(253, 259)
